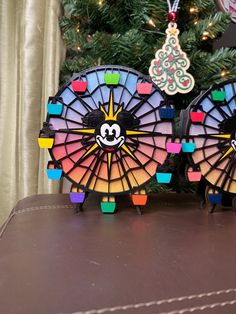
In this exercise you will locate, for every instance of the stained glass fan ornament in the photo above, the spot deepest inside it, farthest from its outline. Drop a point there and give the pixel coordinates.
(210, 122)
(105, 134)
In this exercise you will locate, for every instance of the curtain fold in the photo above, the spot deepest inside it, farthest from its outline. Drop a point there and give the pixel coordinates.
(30, 58)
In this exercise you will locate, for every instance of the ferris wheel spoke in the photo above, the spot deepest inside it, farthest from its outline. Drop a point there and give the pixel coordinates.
(215, 164)
(72, 121)
(140, 104)
(150, 145)
(208, 126)
(151, 158)
(93, 163)
(139, 133)
(208, 114)
(229, 151)
(221, 144)
(228, 170)
(85, 156)
(77, 131)
(219, 109)
(109, 163)
(129, 170)
(153, 123)
(120, 160)
(153, 110)
(213, 136)
(97, 165)
(69, 107)
(139, 164)
(212, 117)
(75, 152)
(121, 174)
(68, 142)
(122, 93)
(212, 168)
(228, 102)
(225, 173)
(133, 96)
(84, 104)
(206, 158)
(100, 88)
(131, 154)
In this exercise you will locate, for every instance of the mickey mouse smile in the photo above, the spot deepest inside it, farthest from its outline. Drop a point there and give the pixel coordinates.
(110, 136)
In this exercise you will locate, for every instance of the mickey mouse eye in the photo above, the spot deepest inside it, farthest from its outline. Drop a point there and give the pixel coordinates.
(127, 120)
(94, 118)
(104, 131)
(107, 129)
(115, 129)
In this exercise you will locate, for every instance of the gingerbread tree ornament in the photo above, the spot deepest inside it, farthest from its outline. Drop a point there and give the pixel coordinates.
(169, 68)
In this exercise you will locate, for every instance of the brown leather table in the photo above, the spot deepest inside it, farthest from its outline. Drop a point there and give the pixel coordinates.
(53, 261)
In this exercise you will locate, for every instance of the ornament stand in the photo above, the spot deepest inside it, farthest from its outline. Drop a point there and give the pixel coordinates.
(139, 210)
(79, 206)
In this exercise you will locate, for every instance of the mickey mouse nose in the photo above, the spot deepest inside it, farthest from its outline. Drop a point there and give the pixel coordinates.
(110, 138)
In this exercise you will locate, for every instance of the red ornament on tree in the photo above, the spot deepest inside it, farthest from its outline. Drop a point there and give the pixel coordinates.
(172, 16)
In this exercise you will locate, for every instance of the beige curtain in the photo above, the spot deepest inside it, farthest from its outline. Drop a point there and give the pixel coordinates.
(30, 57)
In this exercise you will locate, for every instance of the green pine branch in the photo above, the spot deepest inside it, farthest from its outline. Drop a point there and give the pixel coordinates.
(213, 64)
(128, 33)
(211, 27)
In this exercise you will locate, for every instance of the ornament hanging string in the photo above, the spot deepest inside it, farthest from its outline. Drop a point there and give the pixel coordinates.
(174, 7)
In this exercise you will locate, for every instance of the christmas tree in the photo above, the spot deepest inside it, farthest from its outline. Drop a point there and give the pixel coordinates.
(129, 32)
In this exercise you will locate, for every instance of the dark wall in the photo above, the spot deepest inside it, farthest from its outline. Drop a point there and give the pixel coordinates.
(229, 37)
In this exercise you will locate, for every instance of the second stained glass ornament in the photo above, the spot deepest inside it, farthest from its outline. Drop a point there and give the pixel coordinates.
(169, 68)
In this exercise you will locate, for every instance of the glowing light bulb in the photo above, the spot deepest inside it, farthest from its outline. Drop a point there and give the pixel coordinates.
(210, 24)
(89, 38)
(79, 48)
(151, 22)
(193, 10)
(224, 73)
(205, 33)
(100, 2)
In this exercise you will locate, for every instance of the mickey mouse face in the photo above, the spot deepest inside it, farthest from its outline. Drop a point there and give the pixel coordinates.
(110, 135)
